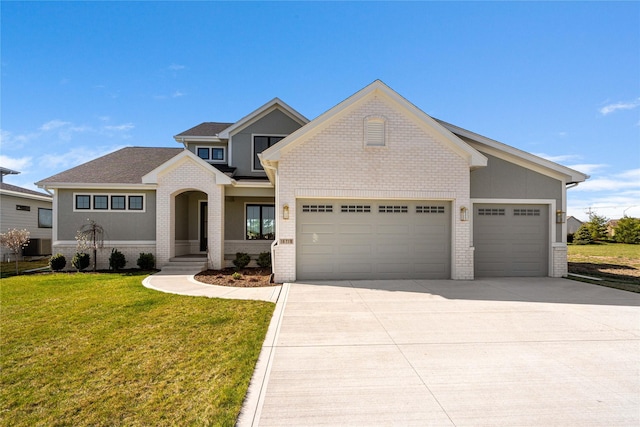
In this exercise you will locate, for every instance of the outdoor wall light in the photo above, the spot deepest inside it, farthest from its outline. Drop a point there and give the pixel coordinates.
(285, 212)
(464, 214)
(560, 217)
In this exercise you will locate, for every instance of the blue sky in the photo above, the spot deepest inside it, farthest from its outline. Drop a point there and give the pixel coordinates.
(560, 80)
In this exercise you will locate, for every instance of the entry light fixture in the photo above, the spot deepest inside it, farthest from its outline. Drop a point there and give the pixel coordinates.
(464, 214)
(561, 217)
(285, 211)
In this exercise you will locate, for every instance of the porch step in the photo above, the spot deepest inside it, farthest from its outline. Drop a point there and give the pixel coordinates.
(185, 265)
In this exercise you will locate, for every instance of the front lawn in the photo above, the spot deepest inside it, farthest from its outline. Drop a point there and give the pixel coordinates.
(100, 349)
(9, 268)
(617, 264)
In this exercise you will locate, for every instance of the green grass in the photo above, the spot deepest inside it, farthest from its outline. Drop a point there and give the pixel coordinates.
(609, 250)
(9, 268)
(616, 264)
(100, 349)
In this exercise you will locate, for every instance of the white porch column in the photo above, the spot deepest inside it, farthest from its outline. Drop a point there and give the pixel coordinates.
(165, 226)
(215, 228)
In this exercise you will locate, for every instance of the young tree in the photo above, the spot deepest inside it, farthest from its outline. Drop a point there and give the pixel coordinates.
(582, 236)
(597, 226)
(15, 240)
(91, 236)
(628, 230)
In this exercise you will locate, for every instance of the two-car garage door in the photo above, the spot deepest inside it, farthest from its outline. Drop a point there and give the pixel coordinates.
(373, 239)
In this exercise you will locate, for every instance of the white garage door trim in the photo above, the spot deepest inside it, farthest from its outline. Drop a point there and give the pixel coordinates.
(551, 203)
(368, 215)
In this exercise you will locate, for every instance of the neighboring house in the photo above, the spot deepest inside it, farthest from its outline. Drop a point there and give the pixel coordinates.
(374, 188)
(26, 209)
(611, 227)
(573, 224)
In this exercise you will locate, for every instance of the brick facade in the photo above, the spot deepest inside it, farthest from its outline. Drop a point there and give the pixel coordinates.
(187, 175)
(334, 163)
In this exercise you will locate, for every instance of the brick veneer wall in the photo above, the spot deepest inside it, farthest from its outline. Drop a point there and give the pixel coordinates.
(334, 163)
(189, 176)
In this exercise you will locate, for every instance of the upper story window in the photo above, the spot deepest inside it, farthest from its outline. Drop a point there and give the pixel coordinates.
(375, 131)
(261, 143)
(212, 154)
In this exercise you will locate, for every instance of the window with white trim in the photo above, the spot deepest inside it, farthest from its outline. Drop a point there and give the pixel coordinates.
(212, 154)
(108, 202)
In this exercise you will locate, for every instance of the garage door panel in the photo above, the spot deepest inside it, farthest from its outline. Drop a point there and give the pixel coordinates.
(510, 240)
(317, 229)
(374, 239)
(317, 249)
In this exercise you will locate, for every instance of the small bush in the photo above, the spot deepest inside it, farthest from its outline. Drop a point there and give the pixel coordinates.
(146, 261)
(57, 262)
(117, 260)
(242, 260)
(236, 276)
(264, 259)
(80, 261)
(582, 236)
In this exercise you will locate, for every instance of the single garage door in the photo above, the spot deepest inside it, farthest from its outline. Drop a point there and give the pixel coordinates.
(511, 240)
(373, 239)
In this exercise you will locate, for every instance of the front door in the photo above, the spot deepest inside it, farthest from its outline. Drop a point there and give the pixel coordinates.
(204, 215)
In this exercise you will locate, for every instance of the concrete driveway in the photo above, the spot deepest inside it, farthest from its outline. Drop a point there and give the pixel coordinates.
(494, 352)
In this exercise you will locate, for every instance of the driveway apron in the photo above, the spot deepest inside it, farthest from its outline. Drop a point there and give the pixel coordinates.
(491, 352)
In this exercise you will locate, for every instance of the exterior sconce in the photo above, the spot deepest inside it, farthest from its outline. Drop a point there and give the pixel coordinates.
(560, 217)
(464, 214)
(285, 212)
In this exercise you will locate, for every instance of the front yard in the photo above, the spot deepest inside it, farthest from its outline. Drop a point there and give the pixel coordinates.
(100, 349)
(617, 264)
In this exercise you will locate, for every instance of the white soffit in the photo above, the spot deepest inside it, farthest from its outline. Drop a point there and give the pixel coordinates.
(522, 158)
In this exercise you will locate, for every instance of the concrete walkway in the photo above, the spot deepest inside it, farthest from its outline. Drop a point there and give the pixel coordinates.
(185, 284)
(491, 352)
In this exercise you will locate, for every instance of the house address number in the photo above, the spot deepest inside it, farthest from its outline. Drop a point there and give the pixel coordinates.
(286, 241)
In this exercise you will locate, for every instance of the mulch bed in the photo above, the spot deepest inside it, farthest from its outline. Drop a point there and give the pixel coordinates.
(250, 277)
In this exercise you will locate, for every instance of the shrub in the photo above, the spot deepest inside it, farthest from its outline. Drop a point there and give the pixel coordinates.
(146, 261)
(242, 260)
(236, 276)
(57, 262)
(570, 238)
(627, 230)
(80, 261)
(264, 259)
(117, 260)
(582, 236)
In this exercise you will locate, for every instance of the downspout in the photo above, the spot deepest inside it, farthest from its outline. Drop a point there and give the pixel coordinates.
(277, 197)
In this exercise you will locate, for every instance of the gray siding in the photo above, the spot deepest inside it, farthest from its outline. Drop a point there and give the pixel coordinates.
(275, 123)
(234, 216)
(125, 225)
(10, 217)
(505, 180)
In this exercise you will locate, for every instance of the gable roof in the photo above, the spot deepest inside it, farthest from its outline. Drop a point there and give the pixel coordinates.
(275, 103)
(272, 154)
(14, 190)
(151, 177)
(513, 154)
(204, 129)
(125, 166)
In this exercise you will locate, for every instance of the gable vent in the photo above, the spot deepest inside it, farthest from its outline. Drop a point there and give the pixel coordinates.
(374, 132)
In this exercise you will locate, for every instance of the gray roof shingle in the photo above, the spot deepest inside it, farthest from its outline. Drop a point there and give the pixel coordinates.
(125, 166)
(9, 187)
(205, 129)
